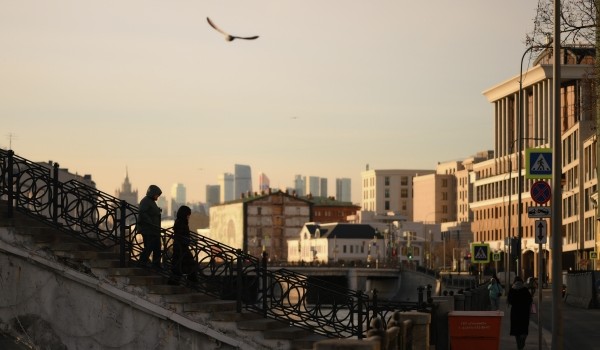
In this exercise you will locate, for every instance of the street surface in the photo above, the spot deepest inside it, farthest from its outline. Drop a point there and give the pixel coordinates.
(581, 327)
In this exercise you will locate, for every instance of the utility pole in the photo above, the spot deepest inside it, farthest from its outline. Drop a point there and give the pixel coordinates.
(556, 242)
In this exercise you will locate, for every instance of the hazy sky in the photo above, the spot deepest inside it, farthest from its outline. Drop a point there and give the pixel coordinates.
(330, 86)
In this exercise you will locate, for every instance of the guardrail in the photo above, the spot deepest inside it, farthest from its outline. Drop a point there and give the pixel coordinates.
(225, 272)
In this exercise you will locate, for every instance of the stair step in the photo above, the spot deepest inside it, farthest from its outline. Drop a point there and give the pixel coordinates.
(98, 263)
(166, 289)
(232, 316)
(146, 280)
(128, 271)
(260, 325)
(187, 298)
(307, 342)
(210, 306)
(288, 333)
(77, 255)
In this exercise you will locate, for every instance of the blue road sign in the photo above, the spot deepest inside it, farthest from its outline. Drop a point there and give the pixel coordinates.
(481, 253)
(538, 163)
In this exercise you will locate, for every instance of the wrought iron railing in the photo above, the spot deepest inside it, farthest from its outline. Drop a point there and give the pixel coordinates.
(224, 272)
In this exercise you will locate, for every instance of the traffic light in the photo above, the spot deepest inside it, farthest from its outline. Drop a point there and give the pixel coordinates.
(515, 247)
(409, 253)
(468, 256)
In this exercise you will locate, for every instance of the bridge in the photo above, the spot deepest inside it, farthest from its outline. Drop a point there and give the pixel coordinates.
(71, 251)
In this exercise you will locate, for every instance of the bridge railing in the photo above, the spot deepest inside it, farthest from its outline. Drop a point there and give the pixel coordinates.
(223, 271)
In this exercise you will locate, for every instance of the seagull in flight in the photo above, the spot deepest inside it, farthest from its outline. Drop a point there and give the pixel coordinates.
(227, 36)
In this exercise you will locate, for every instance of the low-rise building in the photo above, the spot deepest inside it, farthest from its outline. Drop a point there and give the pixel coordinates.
(336, 243)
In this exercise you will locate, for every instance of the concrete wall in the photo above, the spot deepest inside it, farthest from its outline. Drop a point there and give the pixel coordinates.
(62, 308)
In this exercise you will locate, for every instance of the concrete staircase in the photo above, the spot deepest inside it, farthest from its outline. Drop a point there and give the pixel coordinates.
(220, 315)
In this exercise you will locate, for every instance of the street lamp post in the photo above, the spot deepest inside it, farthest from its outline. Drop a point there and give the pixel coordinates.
(520, 138)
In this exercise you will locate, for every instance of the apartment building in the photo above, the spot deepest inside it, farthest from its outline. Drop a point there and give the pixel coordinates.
(495, 206)
(389, 190)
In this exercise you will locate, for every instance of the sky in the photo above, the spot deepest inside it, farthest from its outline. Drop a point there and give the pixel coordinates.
(146, 86)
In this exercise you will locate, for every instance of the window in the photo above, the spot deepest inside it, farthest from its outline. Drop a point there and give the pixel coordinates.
(387, 205)
(404, 181)
(387, 193)
(259, 210)
(387, 180)
(404, 193)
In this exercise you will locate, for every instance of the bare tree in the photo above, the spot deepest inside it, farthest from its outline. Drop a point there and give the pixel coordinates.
(578, 22)
(579, 26)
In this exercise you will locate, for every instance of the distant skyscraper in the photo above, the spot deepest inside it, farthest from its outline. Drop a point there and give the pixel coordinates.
(300, 185)
(213, 195)
(263, 182)
(126, 193)
(323, 189)
(178, 197)
(178, 193)
(312, 185)
(343, 188)
(226, 187)
(163, 205)
(243, 180)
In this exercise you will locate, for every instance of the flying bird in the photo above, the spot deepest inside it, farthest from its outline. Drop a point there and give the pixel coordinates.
(227, 36)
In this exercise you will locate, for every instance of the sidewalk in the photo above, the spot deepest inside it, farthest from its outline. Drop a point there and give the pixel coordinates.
(508, 342)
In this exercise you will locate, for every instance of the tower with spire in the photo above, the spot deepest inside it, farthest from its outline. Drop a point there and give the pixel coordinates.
(125, 193)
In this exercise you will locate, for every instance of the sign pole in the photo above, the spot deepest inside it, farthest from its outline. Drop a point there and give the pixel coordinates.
(541, 237)
(540, 286)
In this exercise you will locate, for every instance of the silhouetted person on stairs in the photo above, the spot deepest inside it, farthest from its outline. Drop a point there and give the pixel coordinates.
(149, 226)
(183, 262)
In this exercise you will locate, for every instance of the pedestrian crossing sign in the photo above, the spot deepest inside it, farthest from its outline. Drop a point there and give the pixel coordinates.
(593, 255)
(480, 253)
(538, 163)
(496, 257)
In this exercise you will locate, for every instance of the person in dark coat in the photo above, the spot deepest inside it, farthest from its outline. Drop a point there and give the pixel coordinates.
(520, 301)
(183, 262)
(148, 225)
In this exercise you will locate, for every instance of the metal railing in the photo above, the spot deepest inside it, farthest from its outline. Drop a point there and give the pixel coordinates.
(109, 223)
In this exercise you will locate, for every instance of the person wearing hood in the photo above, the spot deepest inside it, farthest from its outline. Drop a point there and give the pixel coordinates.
(520, 301)
(494, 291)
(183, 262)
(149, 226)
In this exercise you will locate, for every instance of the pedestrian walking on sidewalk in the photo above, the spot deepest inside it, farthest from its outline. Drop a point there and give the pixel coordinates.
(495, 291)
(520, 301)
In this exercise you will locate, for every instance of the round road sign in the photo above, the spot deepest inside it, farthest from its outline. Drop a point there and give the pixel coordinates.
(540, 192)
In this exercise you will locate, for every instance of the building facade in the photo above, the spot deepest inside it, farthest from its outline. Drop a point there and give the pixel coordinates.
(351, 244)
(389, 190)
(327, 209)
(260, 223)
(242, 180)
(343, 189)
(226, 187)
(496, 181)
(213, 195)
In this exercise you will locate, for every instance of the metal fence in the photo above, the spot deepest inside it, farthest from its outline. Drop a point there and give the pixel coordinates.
(225, 272)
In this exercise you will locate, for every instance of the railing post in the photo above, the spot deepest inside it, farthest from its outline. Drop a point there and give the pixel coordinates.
(264, 283)
(55, 194)
(239, 279)
(10, 183)
(429, 299)
(375, 299)
(359, 297)
(420, 289)
(122, 245)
